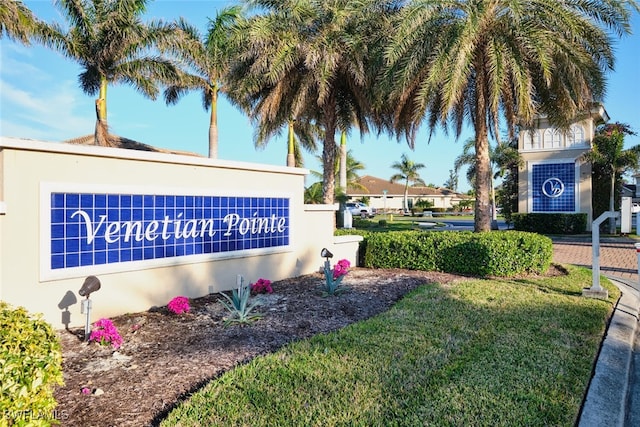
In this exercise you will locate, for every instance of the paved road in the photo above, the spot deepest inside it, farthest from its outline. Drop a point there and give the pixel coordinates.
(617, 255)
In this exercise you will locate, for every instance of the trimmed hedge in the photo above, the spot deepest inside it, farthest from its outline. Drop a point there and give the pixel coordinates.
(30, 367)
(499, 253)
(550, 223)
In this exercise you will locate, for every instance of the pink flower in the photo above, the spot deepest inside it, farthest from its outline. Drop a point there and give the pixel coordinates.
(341, 268)
(179, 305)
(105, 333)
(85, 390)
(262, 286)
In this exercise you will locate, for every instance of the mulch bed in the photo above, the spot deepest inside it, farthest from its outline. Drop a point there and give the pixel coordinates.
(165, 357)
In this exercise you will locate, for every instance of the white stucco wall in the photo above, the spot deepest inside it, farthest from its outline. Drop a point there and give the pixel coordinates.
(26, 167)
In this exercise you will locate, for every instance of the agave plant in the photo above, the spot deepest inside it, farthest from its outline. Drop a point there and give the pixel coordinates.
(238, 304)
(334, 277)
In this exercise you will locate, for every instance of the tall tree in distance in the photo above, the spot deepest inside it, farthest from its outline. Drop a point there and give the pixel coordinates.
(452, 182)
(352, 168)
(342, 155)
(207, 61)
(112, 45)
(499, 61)
(408, 171)
(609, 156)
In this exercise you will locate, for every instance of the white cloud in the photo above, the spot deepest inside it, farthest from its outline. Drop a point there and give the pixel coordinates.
(61, 112)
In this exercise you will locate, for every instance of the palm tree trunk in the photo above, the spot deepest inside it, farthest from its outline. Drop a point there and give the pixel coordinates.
(329, 161)
(329, 152)
(482, 221)
(213, 124)
(101, 133)
(343, 162)
(291, 157)
(406, 196)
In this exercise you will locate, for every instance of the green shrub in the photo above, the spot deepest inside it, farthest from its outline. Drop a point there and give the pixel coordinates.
(499, 253)
(30, 367)
(363, 223)
(382, 223)
(550, 223)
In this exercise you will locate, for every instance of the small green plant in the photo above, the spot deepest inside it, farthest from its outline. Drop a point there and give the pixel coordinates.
(238, 304)
(30, 368)
(334, 277)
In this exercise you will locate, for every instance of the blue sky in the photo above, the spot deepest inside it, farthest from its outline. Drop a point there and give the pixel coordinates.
(40, 99)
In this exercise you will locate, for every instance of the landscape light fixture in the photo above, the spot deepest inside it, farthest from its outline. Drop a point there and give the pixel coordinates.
(91, 284)
(327, 255)
(324, 253)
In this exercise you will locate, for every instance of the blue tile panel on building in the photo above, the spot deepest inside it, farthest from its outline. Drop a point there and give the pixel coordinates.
(94, 229)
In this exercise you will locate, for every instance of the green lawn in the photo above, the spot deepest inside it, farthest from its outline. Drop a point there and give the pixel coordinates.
(481, 353)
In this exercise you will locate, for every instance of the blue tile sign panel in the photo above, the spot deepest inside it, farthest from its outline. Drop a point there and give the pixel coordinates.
(110, 229)
(553, 187)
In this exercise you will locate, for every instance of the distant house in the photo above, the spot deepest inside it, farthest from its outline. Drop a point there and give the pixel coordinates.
(384, 195)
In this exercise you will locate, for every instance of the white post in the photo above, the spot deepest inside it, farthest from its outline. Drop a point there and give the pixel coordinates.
(597, 291)
(625, 216)
(637, 245)
(85, 307)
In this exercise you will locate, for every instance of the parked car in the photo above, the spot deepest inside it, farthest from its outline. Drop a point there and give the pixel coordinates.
(360, 209)
(635, 208)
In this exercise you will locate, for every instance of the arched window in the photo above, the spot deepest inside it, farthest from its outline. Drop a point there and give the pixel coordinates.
(535, 140)
(557, 139)
(546, 138)
(575, 136)
(526, 140)
(531, 140)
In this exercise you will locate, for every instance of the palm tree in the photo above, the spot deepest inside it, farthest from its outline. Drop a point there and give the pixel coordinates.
(407, 172)
(482, 61)
(309, 59)
(608, 153)
(112, 45)
(17, 22)
(313, 194)
(351, 168)
(208, 60)
(502, 158)
(300, 134)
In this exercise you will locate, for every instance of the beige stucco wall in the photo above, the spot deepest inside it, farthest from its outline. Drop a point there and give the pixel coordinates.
(27, 166)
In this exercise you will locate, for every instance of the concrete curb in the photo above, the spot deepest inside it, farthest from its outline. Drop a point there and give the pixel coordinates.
(605, 404)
